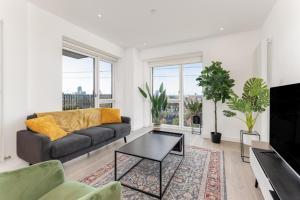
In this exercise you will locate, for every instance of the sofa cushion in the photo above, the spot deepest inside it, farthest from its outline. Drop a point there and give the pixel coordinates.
(68, 190)
(67, 120)
(73, 120)
(120, 129)
(97, 134)
(110, 115)
(46, 126)
(69, 144)
(31, 182)
(90, 116)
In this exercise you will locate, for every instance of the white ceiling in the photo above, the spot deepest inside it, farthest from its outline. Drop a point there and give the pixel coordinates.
(130, 23)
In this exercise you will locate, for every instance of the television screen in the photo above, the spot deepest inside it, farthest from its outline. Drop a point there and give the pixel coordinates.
(285, 123)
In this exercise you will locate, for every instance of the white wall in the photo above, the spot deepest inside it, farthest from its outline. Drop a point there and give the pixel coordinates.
(13, 14)
(45, 56)
(33, 65)
(283, 28)
(238, 52)
(130, 75)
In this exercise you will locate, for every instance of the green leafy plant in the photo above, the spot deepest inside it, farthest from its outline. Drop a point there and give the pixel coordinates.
(193, 106)
(217, 85)
(159, 101)
(254, 100)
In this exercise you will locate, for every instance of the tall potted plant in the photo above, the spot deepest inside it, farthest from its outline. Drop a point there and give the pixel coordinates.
(159, 102)
(217, 86)
(254, 100)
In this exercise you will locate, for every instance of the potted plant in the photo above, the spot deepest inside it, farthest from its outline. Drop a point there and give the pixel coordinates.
(194, 107)
(254, 100)
(159, 102)
(217, 86)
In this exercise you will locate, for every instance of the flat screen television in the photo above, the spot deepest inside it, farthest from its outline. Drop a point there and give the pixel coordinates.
(285, 123)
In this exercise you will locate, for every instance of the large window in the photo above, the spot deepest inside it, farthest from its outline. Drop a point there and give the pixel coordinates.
(169, 75)
(78, 80)
(180, 84)
(87, 81)
(191, 91)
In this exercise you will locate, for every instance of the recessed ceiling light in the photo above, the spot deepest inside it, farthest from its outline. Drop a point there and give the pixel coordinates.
(222, 29)
(153, 11)
(99, 15)
(145, 43)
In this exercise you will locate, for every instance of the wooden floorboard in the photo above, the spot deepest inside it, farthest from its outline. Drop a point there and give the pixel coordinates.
(239, 177)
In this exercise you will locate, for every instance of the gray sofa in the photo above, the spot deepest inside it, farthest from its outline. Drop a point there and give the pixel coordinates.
(35, 148)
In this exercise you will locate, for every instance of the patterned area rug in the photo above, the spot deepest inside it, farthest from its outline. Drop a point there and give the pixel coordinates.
(199, 177)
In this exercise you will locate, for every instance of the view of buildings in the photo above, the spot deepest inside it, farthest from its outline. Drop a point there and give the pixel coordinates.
(180, 83)
(79, 88)
(171, 115)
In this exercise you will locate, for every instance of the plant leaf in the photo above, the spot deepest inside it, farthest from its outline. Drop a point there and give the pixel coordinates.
(161, 87)
(142, 92)
(229, 113)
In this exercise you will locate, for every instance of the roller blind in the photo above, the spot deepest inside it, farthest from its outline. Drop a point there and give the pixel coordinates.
(176, 59)
(71, 44)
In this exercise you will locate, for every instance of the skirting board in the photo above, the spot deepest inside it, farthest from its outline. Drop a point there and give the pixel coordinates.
(12, 165)
(223, 138)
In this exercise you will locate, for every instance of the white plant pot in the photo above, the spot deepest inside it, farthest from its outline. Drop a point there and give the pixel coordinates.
(156, 127)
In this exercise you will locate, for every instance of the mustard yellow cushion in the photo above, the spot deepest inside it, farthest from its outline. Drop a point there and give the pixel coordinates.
(69, 120)
(46, 126)
(110, 115)
(90, 117)
(73, 120)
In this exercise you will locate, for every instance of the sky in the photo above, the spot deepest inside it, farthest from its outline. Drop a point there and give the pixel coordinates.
(169, 75)
(79, 72)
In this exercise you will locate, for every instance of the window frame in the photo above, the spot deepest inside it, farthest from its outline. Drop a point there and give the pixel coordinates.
(97, 58)
(170, 100)
(112, 100)
(180, 100)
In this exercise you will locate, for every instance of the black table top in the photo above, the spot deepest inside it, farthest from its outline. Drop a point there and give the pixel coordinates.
(154, 146)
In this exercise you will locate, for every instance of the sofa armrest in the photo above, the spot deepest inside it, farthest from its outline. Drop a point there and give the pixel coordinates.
(110, 191)
(126, 120)
(32, 147)
(31, 182)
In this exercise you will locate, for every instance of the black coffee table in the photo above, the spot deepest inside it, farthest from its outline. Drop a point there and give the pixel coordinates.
(154, 146)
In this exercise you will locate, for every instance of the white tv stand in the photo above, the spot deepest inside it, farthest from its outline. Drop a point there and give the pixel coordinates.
(273, 176)
(261, 178)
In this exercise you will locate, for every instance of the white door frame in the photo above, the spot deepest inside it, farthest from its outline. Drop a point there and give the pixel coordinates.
(180, 99)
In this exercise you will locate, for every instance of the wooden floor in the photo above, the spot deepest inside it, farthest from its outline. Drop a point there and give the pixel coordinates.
(239, 177)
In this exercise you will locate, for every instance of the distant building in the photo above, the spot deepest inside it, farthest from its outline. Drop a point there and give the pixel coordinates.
(79, 91)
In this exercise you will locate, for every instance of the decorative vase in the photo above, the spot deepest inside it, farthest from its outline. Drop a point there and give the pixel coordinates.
(156, 127)
(156, 124)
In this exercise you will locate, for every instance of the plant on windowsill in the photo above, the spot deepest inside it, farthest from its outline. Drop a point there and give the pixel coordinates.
(194, 108)
(217, 86)
(158, 101)
(254, 100)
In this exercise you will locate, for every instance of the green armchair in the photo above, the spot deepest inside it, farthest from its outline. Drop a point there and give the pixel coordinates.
(46, 181)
